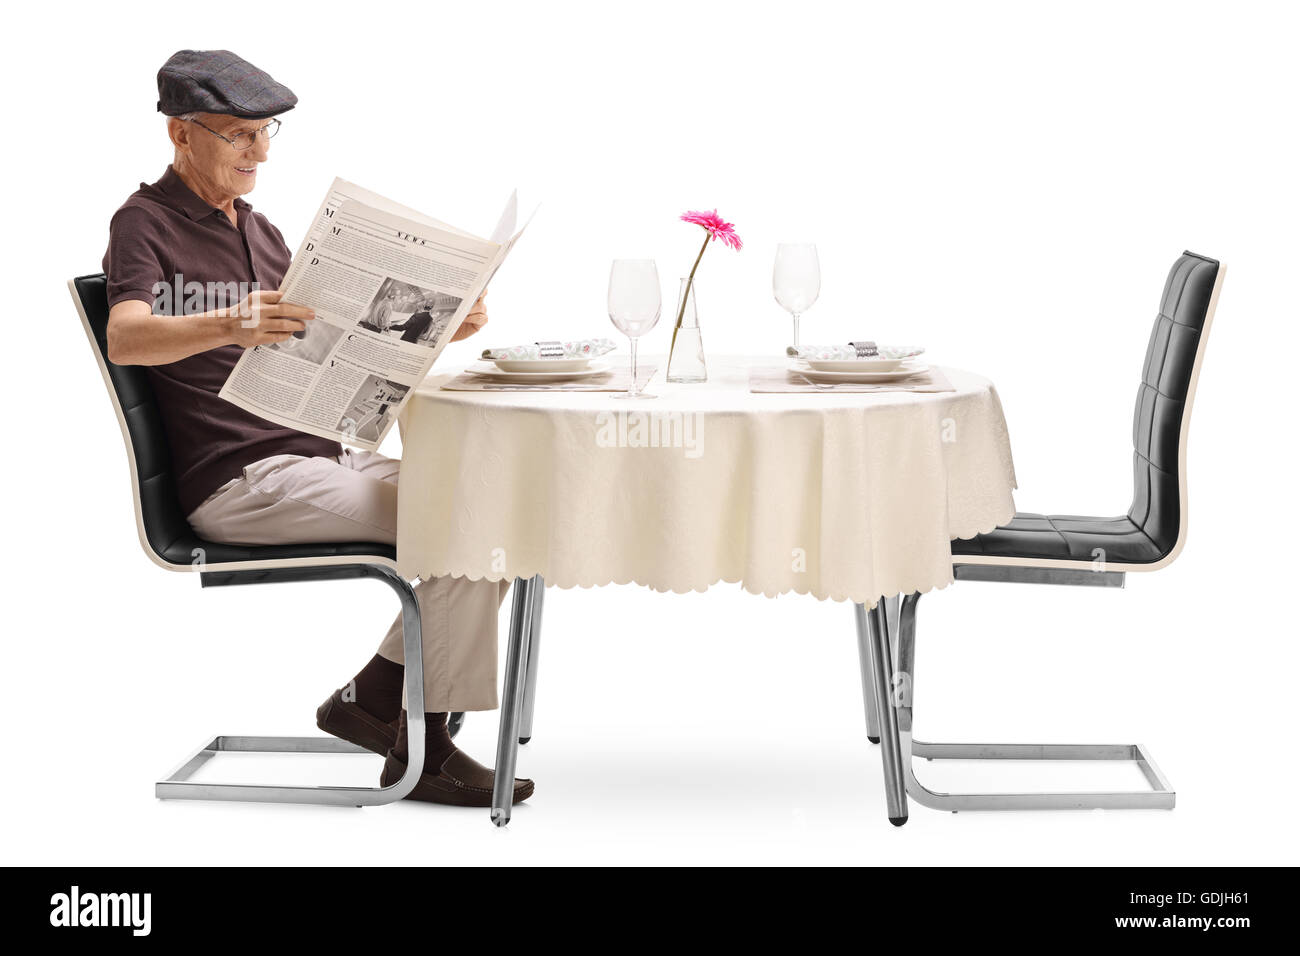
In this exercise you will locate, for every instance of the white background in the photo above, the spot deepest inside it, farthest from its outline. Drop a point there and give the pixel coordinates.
(1006, 184)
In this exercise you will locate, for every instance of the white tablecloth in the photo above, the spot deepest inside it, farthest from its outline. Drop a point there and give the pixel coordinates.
(843, 496)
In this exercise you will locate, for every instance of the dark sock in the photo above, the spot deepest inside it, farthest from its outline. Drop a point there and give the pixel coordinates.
(378, 688)
(438, 745)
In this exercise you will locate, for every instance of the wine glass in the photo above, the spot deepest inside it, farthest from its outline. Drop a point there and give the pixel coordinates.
(634, 304)
(796, 279)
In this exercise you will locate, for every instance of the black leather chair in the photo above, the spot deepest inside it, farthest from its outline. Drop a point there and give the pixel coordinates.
(171, 543)
(1070, 550)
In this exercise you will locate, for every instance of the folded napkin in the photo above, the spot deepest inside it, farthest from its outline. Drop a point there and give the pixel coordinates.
(581, 348)
(853, 350)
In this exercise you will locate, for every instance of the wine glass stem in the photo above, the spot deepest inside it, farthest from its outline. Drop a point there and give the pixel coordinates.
(796, 328)
(632, 389)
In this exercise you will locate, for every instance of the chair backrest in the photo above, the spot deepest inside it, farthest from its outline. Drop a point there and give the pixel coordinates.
(164, 533)
(1164, 401)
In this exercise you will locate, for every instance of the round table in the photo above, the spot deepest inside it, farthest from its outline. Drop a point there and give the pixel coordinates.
(849, 496)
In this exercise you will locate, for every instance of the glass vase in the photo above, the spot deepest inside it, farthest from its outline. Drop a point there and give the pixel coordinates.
(686, 357)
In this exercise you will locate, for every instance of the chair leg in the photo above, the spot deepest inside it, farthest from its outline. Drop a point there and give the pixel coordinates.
(530, 684)
(178, 786)
(1160, 797)
(455, 721)
(877, 671)
(512, 700)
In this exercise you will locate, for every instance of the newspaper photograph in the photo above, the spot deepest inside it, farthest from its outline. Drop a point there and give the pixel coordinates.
(390, 287)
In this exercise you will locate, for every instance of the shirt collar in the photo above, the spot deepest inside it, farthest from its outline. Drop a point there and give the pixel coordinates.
(188, 201)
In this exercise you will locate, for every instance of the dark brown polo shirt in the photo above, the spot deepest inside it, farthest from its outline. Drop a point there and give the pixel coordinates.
(165, 236)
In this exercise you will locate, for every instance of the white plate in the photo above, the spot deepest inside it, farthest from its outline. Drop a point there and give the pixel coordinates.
(855, 364)
(542, 364)
(541, 375)
(897, 375)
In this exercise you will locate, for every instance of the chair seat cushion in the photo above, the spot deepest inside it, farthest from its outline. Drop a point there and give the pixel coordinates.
(1064, 538)
(191, 549)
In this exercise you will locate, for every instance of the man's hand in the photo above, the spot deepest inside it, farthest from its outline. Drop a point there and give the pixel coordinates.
(263, 318)
(476, 319)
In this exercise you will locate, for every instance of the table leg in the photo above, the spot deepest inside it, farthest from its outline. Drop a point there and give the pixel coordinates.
(868, 685)
(877, 666)
(521, 613)
(534, 645)
(892, 605)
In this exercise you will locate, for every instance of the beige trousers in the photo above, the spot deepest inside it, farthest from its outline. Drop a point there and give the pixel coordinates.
(289, 499)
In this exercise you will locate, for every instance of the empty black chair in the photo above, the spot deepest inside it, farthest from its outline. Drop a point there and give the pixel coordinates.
(1075, 550)
(1153, 531)
(171, 543)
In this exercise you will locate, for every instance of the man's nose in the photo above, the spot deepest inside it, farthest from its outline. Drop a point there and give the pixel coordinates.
(260, 149)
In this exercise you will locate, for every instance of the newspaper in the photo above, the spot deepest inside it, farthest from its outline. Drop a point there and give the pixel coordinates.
(390, 286)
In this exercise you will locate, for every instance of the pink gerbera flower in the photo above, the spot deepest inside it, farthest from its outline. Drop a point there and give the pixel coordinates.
(715, 225)
(717, 228)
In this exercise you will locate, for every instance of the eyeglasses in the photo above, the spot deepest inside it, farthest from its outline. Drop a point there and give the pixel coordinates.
(245, 140)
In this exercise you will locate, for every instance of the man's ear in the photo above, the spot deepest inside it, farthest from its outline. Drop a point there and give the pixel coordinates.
(179, 132)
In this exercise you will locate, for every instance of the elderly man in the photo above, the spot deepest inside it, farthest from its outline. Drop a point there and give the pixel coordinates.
(240, 478)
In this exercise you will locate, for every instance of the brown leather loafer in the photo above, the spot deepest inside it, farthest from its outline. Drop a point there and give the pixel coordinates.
(461, 782)
(346, 720)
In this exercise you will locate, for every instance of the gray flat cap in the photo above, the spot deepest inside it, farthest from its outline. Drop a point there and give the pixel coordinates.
(217, 81)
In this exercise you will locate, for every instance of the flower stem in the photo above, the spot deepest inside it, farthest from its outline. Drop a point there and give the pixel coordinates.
(690, 280)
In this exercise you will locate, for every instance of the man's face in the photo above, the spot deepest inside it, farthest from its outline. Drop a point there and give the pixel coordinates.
(224, 168)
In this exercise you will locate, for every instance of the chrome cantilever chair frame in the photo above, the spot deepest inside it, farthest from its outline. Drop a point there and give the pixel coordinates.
(887, 640)
(900, 626)
(355, 563)
(177, 785)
